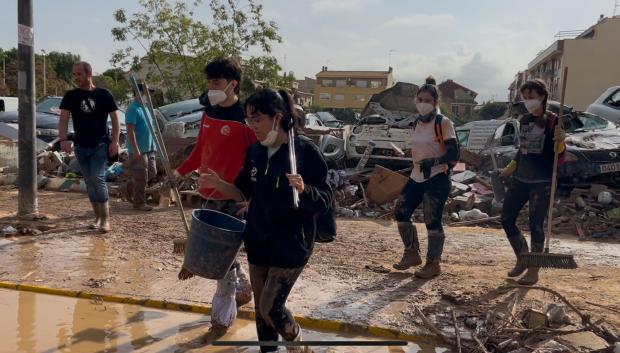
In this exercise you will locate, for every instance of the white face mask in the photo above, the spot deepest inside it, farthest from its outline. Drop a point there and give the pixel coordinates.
(424, 108)
(271, 137)
(532, 105)
(217, 96)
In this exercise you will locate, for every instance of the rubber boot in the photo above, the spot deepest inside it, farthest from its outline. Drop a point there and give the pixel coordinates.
(298, 349)
(104, 222)
(411, 255)
(95, 224)
(530, 277)
(519, 246)
(430, 270)
(243, 294)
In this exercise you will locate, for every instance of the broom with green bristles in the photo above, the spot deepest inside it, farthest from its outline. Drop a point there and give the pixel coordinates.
(546, 259)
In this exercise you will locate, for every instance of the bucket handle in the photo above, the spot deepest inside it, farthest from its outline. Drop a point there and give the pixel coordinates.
(208, 198)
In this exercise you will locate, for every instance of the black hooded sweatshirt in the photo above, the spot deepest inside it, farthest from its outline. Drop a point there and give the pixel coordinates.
(277, 235)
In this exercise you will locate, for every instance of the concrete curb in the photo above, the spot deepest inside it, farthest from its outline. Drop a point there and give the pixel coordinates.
(305, 322)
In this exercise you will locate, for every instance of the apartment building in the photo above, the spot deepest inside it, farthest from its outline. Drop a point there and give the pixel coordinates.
(349, 89)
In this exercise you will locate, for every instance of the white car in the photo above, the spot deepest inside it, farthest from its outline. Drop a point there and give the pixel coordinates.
(607, 105)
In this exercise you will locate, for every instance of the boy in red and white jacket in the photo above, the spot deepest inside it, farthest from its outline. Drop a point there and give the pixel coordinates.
(221, 146)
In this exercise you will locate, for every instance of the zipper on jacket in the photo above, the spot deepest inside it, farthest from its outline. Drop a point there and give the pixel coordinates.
(278, 183)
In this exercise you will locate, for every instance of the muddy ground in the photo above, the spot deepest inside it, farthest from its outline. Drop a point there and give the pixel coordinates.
(349, 280)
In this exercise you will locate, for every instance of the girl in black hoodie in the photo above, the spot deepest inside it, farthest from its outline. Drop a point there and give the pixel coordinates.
(278, 238)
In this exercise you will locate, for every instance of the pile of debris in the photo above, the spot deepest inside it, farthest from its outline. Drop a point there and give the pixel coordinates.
(510, 323)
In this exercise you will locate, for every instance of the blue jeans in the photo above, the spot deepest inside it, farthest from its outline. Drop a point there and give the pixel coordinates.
(93, 162)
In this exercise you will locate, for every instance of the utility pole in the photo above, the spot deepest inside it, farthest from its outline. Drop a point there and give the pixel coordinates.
(390, 57)
(44, 76)
(27, 174)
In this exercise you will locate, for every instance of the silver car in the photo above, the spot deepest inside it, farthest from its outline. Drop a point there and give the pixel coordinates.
(607, 105)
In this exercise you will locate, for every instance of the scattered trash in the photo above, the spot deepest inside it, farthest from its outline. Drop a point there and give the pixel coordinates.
(472, 215)
(8, 231)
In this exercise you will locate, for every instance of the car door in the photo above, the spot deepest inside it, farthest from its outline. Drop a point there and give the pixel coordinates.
(501, 147)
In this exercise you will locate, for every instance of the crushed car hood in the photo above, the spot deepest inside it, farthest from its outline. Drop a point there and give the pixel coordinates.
(595, 140)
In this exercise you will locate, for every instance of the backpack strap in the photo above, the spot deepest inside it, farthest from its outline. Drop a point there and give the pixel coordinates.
(438, 129)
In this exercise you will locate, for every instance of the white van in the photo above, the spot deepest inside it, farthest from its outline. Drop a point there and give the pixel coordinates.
(8, 104)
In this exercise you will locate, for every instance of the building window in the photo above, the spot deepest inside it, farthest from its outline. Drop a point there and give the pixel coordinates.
(360, 97)
(375, 84)
(328, 83)
(341, 83)
(339, 97)
(455, 109)
(361, 84)
(325, 96)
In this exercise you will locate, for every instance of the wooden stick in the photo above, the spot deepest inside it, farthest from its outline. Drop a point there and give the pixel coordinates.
(479, 344)
(584, 317)
(556, 155)
(432, 327)
(604, 307)
(456, 332)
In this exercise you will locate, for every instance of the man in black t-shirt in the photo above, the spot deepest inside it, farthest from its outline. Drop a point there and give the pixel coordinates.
(89, 106)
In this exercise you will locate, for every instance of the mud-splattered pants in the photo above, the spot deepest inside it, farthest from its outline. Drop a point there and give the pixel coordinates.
(271, 287)
(143, 171)
(433, 193)
(518, 194)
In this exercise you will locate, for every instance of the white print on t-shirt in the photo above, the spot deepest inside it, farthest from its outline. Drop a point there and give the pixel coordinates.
(532, 139)
(88, 105)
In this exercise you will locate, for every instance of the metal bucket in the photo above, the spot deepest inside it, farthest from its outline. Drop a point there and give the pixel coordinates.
(213, 243)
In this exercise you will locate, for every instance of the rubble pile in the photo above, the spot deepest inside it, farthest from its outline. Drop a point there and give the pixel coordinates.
(512, 321)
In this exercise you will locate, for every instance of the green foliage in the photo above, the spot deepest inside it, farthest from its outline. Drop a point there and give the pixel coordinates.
(116, 81)
(62, 63)
(178, 45)
(492, 110)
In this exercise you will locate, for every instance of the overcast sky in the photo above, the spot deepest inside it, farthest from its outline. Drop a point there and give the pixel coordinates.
(480, 44)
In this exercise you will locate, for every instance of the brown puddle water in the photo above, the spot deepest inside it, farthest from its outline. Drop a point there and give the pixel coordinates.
(32, 322)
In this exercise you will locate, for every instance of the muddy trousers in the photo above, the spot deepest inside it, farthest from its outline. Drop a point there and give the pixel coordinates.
(433, 194)
(142, 172)
(271, 287)
(518, 194)
(93, 161)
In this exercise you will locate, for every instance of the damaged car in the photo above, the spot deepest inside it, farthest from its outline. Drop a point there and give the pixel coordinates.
(592, 149)
(384, 126)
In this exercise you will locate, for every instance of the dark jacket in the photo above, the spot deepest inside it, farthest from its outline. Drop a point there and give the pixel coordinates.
(276, 234)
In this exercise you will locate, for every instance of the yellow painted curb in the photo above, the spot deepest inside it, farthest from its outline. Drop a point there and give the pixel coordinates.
(305, 322)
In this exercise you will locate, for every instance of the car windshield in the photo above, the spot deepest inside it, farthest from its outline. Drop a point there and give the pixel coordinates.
(49, 105)
(178, 109)
(587, 121)
(336, 124)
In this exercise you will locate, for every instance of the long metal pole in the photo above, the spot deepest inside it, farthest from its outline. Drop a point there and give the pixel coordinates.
(27, 174)
(44, 74)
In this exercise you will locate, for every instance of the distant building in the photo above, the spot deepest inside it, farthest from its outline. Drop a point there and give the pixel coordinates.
(460, 99)
(592, 58)
(303, 92)
(349, 89)
(513, 89)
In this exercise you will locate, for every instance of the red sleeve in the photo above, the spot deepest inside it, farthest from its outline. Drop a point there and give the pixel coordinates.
(193, 161)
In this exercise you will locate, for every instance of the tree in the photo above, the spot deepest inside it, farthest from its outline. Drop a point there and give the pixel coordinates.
(116, 81)
(177, 45)
(263, 72)
(62, 63)
(492, 110)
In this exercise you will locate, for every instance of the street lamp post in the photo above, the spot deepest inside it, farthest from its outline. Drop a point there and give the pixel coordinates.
(44, 74)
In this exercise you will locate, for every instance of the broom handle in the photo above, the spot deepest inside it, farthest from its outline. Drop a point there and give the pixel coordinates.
(167, 166)
(556, 155)
(159, 142)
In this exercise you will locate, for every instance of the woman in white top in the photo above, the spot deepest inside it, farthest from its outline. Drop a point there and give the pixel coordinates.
(434, 150)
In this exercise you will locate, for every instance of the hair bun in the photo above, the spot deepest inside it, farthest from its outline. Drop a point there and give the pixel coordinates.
(430, 80)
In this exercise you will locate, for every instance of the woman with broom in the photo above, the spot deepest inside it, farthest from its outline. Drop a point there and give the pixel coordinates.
(278, 237)
(531, 172)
